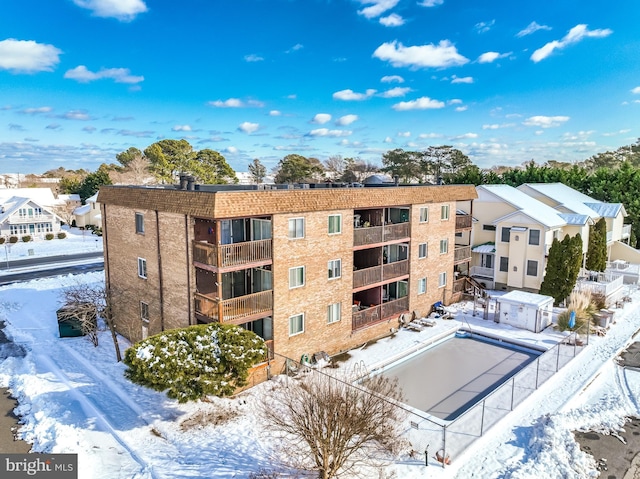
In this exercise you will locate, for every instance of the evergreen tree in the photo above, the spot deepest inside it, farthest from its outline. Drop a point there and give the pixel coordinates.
(597, 252)
(563, 267)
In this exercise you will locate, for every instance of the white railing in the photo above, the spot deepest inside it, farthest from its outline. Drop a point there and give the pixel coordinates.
(626, 231)
(609, 236)
(482, 271)
(603, 283)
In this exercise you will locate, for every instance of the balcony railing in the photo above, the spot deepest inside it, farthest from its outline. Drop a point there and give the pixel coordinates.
(603, 283)
(361, 319)
(463, 222)
(461, 254)
(482, 271)
(377, 274)
(626, 231)
(609, 236)
(380, 234)
(17, 219)
(234, 309)
(234, 254)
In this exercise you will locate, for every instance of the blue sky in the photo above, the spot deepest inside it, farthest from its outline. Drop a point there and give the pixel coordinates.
(503, 81)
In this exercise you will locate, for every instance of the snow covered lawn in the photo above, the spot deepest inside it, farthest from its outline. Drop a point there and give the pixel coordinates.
(74, 399)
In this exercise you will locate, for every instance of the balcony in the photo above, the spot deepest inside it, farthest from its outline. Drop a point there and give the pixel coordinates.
(461, 254)
(380, 234)
(16, 219)
(235, 254)
(482, 271)
(372, 315)
(463, 222)
(235, 310)
(601, 283)
(626, 231)
(377, 274)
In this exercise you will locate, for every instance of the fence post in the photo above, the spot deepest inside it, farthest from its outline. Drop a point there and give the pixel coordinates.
(513, 388)
(444, 445)
(558, 357)
(482, 419)
(537, 370)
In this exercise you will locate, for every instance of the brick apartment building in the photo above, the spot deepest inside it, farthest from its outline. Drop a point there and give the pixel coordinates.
(311, 268)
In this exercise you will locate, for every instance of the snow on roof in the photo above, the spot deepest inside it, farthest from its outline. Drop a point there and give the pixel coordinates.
(531, 207)
(71, 197)
(484, 248)
(524, 297)
(93, 199)
(573, 219)
(607, 210)
(42, 196)
(82, 210)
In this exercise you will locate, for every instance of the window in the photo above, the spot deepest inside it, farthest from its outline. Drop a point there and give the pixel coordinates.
(140, 223)
(534, 237)
(19, 229)
(334, 313)
(444, 212)
(335, 224)
(335, 268)
(532, 268)
(424, 214)
(442, 280)
(422, 250)
(144, 312)
(506, 232)
(296, 277)
(296, 324)
(142, 268)
(504, 263)
(296, 228)
(422, 285)
(444, 246)
(488, 227)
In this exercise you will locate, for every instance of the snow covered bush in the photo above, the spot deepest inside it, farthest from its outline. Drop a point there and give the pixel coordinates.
(62, 235)
(190, 363)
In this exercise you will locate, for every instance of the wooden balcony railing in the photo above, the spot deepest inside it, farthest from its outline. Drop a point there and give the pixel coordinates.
(377, 274)
(463, 222)
(225, 255)
(234, 309)
(269, 344)
(361, 319)
(380, 234)
(393, 270)
(461, 254)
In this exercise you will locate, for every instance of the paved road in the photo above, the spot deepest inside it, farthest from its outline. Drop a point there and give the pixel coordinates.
(46, 266)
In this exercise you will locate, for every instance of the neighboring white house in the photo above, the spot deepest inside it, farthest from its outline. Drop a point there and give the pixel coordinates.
(24, 216)
(89, 213)
(525, 310)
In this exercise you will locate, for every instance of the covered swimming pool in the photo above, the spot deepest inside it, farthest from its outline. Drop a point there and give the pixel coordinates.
(448, 378)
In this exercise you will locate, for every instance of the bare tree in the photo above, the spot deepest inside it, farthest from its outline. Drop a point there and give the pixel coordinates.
(332, 426)
(135, 172)
(66, 212)
(80, 299)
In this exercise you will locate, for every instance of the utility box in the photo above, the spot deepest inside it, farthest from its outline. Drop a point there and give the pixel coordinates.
(524, 310)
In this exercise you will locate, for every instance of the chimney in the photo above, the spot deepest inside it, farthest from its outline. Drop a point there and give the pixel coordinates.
(190, 183)
(396, 180)
(183, 182)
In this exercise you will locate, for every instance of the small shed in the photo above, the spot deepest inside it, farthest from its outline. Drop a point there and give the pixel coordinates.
(524, 310)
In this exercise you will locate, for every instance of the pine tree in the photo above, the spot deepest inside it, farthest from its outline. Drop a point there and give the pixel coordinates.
(597, 252)
(563, 267)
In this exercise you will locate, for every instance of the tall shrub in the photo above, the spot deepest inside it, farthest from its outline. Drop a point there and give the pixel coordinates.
(597, 252)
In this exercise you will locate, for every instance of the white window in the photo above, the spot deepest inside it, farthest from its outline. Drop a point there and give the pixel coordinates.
(422, 285)
(424, 214)
(296, 324)
(144, 312)
(444, 212)
(444, 246)
(334, 313)
(335, 268)
(442, 280)
(140, 223)
(296, 277)
(422, 250)
(142, 268)
(296, 228)
(335, 224)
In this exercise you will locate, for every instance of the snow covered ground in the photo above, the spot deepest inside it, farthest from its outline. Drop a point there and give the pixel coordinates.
(74, 399)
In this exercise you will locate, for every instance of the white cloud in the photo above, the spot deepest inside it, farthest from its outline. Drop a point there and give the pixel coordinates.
(489, 57)
(395, 92)
(430, 3)
(231, 149)
(329, 133)
(350, 95)
(425, 136)
(81, 115)
(423, 103)
(392, 20)
(36, 111)
(532, 28)
(392, 78)
(235, 103)
(442, 55)
(636, 90)
(181, 128)
(124, 10)
(455, 79)
(119, 75)
(378, 7)
(576, 34)
(275, 113)
(295, 48)
(321, 118)
(388, 139)
(545, 121)
(465, 136)
(484, 27)
(495, 126)
(253, 58)
(248, 127)
(27, 56)
(454, 101)
(462, 108)
(346, 120)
